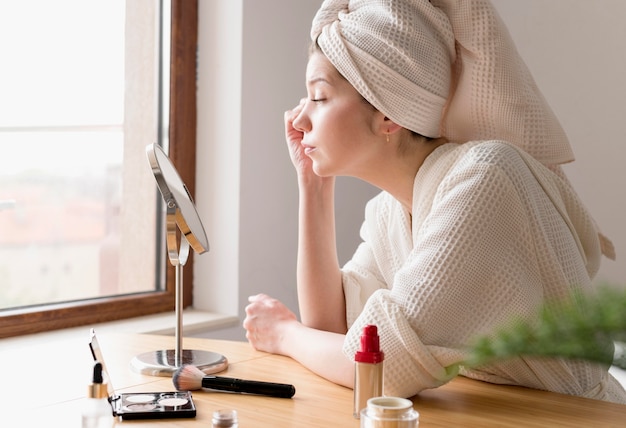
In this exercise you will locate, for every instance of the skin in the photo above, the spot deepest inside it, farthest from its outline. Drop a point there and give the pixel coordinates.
(333, 132)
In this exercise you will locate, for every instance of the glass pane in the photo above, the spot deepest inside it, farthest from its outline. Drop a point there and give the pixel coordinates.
(79, 104)
(63, 62)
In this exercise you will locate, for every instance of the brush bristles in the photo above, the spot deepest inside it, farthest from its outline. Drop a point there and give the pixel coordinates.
(188, 378)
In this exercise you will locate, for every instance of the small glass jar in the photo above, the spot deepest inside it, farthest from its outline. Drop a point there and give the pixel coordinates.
(389, 412)
(225, 419)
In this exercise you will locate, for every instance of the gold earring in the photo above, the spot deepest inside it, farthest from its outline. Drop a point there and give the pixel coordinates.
(387, 135)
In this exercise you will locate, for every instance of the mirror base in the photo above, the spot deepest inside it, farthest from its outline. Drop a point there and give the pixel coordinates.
(163, 362)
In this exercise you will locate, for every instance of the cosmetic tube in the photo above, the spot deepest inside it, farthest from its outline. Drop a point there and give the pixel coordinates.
(368, 369)
(97, 412)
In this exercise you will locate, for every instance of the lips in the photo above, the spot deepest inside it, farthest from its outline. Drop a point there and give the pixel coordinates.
(308, 150)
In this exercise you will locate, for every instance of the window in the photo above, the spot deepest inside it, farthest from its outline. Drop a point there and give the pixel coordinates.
(106, 126)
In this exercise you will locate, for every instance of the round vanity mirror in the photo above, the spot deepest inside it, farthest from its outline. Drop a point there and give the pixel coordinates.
(178, 201)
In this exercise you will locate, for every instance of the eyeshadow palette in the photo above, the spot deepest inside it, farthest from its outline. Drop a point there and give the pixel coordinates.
(144, 405)
(153, 405)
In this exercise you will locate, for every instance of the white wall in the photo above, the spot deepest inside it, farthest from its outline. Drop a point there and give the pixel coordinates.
(576, 50)
(252, 57)
(252, 60)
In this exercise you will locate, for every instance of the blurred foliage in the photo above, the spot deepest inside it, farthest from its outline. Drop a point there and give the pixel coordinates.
(582, 327)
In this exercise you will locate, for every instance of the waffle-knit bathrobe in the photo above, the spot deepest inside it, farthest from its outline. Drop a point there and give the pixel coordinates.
(493, 234)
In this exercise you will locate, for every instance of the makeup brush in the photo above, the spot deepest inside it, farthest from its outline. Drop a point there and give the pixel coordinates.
(190, 377)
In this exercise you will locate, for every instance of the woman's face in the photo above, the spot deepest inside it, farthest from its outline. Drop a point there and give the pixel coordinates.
(337, 123)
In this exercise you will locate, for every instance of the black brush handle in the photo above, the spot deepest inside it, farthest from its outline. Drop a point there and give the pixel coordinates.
(280, 390)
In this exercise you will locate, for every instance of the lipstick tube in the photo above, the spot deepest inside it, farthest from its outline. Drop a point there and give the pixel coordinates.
(368, 366)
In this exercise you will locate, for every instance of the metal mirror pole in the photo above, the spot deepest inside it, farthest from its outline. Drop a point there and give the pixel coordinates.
(178, 352)
(178, 258)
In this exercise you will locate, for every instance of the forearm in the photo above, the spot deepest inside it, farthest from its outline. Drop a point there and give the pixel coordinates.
(320, 352)
(320, 293)
(272, 327)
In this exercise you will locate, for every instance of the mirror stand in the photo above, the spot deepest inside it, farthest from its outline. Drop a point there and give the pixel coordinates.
(176, 196)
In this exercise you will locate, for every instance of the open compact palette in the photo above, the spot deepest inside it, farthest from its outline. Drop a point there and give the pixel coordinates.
(143, 405)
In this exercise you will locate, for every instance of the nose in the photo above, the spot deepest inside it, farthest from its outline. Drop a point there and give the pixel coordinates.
(301, 122)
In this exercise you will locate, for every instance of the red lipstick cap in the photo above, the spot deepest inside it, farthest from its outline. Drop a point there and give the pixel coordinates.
(370, 346)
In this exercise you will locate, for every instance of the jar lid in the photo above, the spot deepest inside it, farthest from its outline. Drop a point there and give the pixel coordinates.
(389, 409)
(225, 418)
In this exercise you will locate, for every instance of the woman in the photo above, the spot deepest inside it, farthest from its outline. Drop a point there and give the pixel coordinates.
(475, 224)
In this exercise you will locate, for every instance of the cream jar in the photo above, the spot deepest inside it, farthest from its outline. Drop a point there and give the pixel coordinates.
(389, 412)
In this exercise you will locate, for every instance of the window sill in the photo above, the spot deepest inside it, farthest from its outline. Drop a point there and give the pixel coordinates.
(194, 322)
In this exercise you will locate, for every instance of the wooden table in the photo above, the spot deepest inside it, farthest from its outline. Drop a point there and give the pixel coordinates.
(45, 384)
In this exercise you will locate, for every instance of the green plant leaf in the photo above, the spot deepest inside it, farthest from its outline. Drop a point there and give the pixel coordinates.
(582, 327)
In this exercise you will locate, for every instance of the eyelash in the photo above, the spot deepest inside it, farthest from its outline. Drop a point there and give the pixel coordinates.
(317, 100)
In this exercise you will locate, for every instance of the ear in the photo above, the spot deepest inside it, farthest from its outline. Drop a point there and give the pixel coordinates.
(388, 126)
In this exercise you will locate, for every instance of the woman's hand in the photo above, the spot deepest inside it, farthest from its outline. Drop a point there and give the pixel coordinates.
(267, 322)
(294, 138)
(272, 327)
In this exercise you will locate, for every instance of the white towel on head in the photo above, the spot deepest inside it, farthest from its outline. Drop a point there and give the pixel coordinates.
(397, 54)
(442, 68)
(495, 96)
